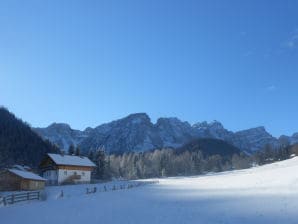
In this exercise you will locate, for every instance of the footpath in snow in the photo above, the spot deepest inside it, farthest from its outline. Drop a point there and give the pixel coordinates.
(266, 194)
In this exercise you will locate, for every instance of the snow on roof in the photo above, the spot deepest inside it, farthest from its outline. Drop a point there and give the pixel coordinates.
(70, 160)
(19, 167)
(26, 174)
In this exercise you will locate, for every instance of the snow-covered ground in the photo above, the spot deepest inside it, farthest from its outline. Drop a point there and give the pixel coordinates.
(267, 194)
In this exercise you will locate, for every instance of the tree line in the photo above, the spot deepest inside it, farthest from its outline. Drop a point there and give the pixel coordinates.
(169, 162)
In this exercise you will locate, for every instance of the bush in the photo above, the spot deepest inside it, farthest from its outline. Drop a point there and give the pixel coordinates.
(43, 195)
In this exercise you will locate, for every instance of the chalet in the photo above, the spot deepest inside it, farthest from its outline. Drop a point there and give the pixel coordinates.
(17, 179)
(63, 169)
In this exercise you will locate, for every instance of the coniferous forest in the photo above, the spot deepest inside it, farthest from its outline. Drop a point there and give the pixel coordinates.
(19, 144)
(170, 162)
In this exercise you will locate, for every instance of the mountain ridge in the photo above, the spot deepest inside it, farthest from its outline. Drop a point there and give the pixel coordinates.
(136, 132)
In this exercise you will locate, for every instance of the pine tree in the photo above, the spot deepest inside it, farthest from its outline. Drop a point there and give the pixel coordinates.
(78, 151)
(91, 155)
(99, 160)
(71, 150)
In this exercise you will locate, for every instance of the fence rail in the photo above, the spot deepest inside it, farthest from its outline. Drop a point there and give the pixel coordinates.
(36, 195)
(116, 187)
(19, 197)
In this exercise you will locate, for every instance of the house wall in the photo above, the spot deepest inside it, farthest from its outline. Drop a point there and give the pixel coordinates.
(9, 182)
(51, 176)
(66, 175)
(32, 185)
(59, 174)
(82, 176)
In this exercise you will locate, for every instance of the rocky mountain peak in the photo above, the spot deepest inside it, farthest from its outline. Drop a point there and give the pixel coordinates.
(255, 139)
(59, 126)
(136, 132)
(173, 132)
(137, 118)
(260, 130)
(171, 121)
(205, 125)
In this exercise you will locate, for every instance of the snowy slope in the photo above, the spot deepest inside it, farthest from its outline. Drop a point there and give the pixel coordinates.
(267, 194)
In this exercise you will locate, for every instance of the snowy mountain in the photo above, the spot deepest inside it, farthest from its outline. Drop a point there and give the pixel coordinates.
(212, 130)
(288, 140)
(173, 132)
(62, 135)
(132, 133)
(136, 132)
(254, 139)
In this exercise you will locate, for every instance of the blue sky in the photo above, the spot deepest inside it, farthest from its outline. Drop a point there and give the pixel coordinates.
(90, 62)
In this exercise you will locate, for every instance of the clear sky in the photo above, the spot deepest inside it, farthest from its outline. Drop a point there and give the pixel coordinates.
(89, 62)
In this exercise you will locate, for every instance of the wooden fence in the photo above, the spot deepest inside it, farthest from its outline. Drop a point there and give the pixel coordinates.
(18, 197)
(116, 187)
(35, 195)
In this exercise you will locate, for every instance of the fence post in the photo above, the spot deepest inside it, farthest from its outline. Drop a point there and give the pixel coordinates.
(28, 196)
(4, 201)
(38, 195)
(12, 198)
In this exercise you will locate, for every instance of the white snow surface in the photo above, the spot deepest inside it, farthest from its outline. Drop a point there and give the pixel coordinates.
(26, 175)
(70, 160)
(265, 194)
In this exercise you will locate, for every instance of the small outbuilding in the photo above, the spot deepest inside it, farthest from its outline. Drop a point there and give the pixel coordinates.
(15, 180)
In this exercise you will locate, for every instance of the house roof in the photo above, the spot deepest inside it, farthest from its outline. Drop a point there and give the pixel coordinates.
(26, 174)
(71, 160)
(19, 167)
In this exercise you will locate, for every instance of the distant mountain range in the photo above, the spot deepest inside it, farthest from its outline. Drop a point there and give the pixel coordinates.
(136, 132)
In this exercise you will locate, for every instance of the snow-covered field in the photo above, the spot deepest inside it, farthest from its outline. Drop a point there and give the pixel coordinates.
(267, 194)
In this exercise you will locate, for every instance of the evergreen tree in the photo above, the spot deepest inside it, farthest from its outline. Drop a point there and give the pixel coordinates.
(78, 151)
(91, 155)
(99, 160)
(71, 149)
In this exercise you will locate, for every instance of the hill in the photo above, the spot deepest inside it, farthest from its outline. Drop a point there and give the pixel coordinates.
(18, 143)
(210, 147)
